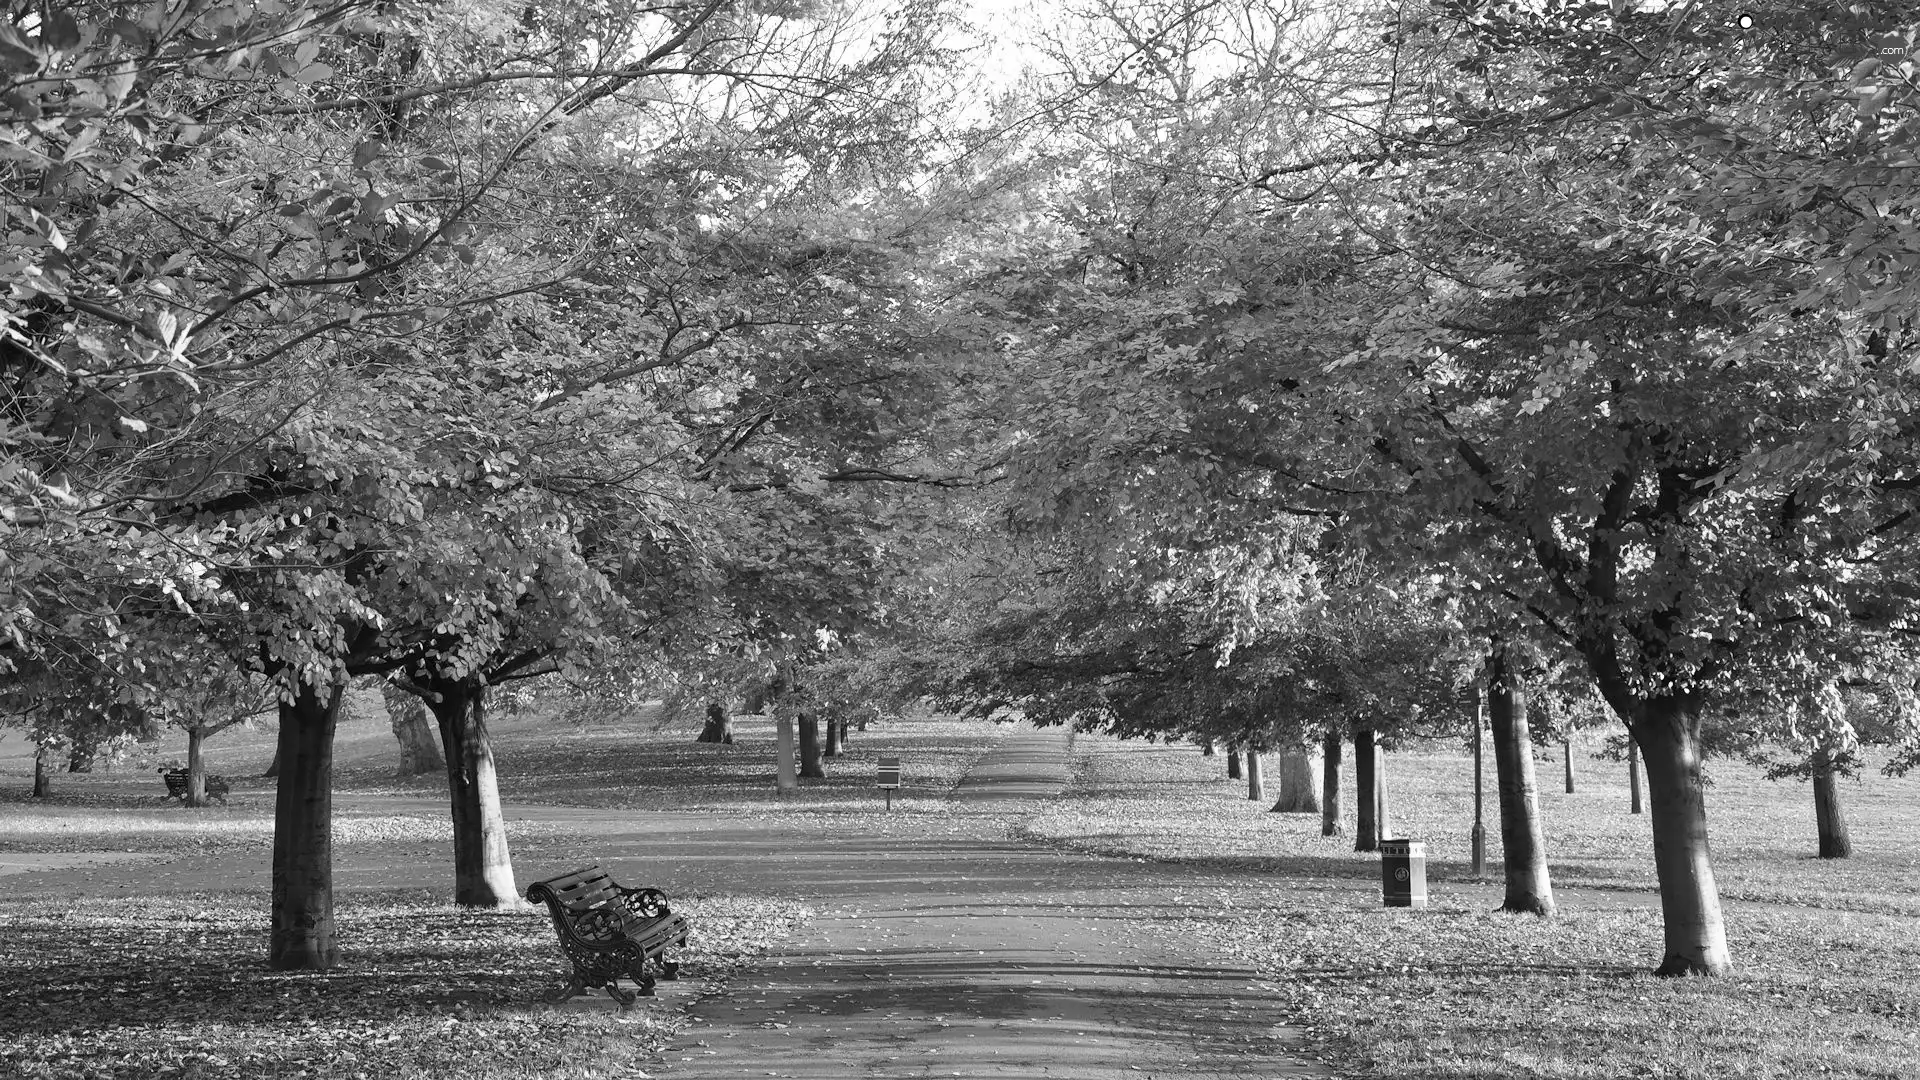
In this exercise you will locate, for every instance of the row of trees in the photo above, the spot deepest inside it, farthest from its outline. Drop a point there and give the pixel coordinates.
(1581, 327)
(1254, 372)
(453, 344)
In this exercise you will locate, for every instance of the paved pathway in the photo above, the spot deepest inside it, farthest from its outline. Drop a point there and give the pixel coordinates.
(978, 959)
(932, 954)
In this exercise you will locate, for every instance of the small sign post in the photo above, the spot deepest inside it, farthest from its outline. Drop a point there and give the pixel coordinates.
(889, 777)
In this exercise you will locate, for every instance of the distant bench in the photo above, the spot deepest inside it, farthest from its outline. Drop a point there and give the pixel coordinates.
(610, 931)
(176, 779)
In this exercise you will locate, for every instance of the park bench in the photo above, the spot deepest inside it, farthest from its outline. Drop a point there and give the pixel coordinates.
(608, 931)
(217, 786)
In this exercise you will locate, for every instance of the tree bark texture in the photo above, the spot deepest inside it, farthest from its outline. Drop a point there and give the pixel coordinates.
(1299, 783)
(1233, 764)
(1522, 839)
(783, 772)
(1477, 835)
(719, 725)
(810, 765)
(1828, 816)
(834, 728)
(1566, 752)
(414, 727)
(196, 766)
(1383, 818)
(1634, 805)
(80, 755)
(482, 863)
(1696, 936)
(42, 783)
(302, 933)
(1330, 823)
(1256, 784)
(1366, 823)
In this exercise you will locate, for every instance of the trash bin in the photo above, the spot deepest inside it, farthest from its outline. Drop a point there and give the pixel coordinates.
(1403, 873)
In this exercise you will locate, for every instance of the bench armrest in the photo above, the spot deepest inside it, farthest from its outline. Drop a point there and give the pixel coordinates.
(647, 903)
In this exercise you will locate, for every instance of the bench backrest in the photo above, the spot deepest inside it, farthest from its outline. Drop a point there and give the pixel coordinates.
(578, 891)
(177, 782)
(588, 903)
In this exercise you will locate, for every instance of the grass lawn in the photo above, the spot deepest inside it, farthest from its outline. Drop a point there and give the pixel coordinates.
(1824, 957)
(173, 986)
(172, 983)
(639, 765)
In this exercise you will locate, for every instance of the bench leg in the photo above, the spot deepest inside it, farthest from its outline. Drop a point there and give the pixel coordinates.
(624, 997)
(669, 969)
(575, 986)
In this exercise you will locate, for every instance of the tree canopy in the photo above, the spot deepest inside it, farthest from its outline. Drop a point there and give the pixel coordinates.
(1242, 371)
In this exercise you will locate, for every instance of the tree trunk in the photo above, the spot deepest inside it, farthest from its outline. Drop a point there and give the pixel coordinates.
(1233, 763)
(757, 699)
(833, 736)
(1206, 749)
(1566, 751)
(1633, 776)
(302, 935)
(415, 729)
(1477, 836)
(1696, 936)
(1522, 839)
(810, 765)
(196, 766)
(482, 864)
(1366, 826)
(1829, 818)
(1330, 823)
(1383, 817)
(783, 773)
(1256, 785)
(273, 767)
(42, 783)
(1827, 814)
(80, 755)
(719, 725)
(1299, 783)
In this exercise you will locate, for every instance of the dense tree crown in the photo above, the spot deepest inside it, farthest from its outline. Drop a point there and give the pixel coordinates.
(1248, 372)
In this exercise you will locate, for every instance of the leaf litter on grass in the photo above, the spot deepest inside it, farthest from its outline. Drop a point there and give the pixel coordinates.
(176, 985)
(1822, 986)
(162, 831)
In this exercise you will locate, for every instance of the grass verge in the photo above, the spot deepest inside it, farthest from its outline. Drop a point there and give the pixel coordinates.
(1461, 992)
(76, 828)
(637, 764)
(667, 770)
(174, 986)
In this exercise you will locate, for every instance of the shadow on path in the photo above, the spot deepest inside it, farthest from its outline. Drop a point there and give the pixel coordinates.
(974, 959)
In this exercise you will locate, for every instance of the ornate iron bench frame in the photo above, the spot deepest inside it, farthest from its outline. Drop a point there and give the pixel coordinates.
(609, 931)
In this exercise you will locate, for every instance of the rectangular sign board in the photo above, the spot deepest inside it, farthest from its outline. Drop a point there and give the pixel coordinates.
(889, 772)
